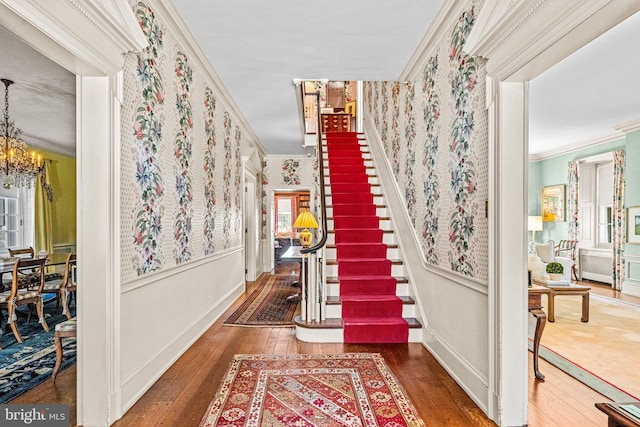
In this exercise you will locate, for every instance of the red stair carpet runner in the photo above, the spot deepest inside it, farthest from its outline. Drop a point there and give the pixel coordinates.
(371, 311)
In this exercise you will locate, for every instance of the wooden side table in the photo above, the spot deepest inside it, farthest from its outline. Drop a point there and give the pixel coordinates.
(571, 289)
(535, 308)
(618, 417)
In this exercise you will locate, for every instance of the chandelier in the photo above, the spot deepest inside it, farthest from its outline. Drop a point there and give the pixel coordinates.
(17, 166)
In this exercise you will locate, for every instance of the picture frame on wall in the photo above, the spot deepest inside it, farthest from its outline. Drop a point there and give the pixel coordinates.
(633, 225)
(553, 203)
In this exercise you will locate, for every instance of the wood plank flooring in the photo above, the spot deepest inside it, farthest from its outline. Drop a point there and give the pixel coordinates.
(182, 395)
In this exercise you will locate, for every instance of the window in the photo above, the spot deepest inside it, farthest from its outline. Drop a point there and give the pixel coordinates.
(596, 201)
(9, 223)
(16, 218)
(284, 209)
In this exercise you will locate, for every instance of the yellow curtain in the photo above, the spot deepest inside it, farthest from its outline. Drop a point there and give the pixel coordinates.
(43, 221)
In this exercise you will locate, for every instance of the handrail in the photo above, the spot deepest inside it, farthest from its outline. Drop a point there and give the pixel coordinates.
(323, 208)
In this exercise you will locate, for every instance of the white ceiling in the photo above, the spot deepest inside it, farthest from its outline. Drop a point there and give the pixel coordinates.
(42, 98)
(587, 95)
(258, 48)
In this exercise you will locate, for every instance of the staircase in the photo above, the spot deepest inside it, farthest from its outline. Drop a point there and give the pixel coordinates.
(367, 292)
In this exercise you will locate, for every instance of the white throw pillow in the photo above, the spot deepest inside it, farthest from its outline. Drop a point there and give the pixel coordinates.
(545, 251)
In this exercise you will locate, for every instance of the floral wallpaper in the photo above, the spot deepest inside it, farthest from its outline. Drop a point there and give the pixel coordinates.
(209, 244)
(385, 118)
(350, 91)
(291, 172)
(263, 186)
(395, 128)
(444, 185)
(410, 161)
(181, 191)
(182, 148)
(461, 165)
(429, 161)
(226, 180)
(147, 230)
(237, 187)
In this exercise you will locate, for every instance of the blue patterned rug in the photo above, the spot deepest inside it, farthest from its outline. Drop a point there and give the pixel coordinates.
(23, 366)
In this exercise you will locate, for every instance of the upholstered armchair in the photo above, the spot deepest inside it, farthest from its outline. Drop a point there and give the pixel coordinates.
(545, 253)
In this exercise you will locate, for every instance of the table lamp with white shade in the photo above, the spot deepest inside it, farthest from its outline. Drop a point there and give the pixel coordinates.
(305, 221)
(535, 224)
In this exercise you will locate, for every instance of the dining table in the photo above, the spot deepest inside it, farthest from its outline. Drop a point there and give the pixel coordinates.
(6, 266)
(54, 259)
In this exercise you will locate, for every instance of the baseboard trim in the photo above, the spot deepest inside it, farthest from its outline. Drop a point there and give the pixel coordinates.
(472, 382)
(135, 385)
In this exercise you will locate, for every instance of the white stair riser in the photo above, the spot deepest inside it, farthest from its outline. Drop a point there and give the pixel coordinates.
(330, 253)
(334, 311)
(333, 289)
(319, 335)
(329, 335)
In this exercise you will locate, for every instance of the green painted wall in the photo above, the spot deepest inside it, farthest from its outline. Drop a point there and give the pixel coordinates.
(553, 171)
(63, 207)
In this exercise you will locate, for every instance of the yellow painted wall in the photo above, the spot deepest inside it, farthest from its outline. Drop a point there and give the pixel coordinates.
(63, 207)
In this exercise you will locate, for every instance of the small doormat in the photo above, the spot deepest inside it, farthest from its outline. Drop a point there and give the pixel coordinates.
(351, 389)
(269, 304)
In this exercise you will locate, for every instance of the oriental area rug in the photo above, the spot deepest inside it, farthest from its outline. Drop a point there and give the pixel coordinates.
(27, 364)
(269, 304)
(601, 352)
(351, 389)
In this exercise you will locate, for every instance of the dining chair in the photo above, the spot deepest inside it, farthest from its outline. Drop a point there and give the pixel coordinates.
(27, 282)
(64, 286)
(22, 252)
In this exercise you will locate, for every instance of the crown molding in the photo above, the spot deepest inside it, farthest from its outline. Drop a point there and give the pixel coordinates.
(439, 28)
(86, 37)
(630, 126)
(523, 38)
(614, 136)
(620, 132)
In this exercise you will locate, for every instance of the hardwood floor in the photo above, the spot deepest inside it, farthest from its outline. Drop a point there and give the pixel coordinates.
(182, 395)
